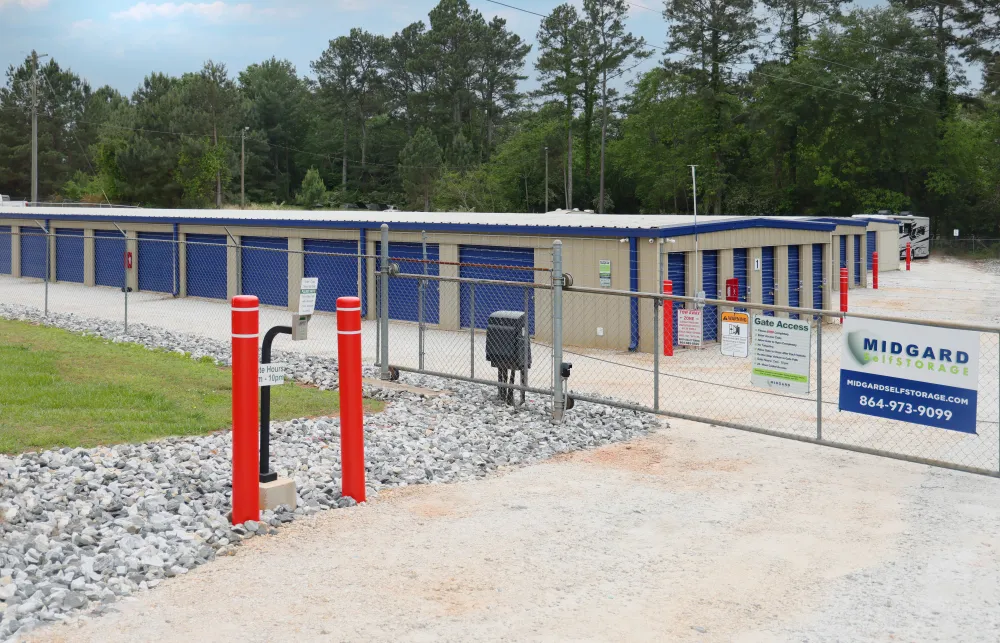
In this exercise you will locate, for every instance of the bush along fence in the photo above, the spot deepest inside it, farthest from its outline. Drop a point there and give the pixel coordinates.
(921, 391)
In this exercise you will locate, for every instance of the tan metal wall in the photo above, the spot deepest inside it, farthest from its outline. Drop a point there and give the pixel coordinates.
(584, 314)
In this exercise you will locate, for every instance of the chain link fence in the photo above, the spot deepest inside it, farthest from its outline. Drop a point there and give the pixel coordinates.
(970, 248)
(426, 315)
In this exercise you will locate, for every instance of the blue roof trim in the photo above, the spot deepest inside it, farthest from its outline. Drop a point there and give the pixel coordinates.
(674, 231)
(844, 221)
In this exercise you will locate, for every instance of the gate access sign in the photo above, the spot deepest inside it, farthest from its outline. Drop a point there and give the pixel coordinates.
(920, 374)
(781, 354)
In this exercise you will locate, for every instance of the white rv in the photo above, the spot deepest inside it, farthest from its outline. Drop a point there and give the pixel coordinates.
(912, 229)
(916, 231)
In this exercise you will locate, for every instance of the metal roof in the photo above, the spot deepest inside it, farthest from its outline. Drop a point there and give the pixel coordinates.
(560, 222)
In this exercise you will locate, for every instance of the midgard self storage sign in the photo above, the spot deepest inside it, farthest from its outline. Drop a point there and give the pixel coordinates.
(909, 372)
(781, 354)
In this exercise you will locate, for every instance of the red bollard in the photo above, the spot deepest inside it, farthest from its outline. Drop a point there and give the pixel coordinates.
(352, 436)
(843, 292)
(875, 270)
(907, 255)
(246, 494)
(668, 319)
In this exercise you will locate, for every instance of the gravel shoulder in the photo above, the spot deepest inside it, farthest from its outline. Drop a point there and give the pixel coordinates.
(693, 533)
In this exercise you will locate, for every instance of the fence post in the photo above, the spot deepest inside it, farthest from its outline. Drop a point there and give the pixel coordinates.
(420, 306)
(125, 288)
(527, 341)
(656, 355)
(48, 261)
(472, 331)
(558, 403)
(384, 305)
(819, 377)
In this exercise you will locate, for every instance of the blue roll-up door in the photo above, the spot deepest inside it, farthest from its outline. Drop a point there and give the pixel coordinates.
(5, 250)
(843, 251)
(335, 263)
(156, 261)
(109, 258)
(264, 267)
(69, 255)
(794, 279)
(710, 284)
(205, 265)
(767, 277)
(491, 298)
(817, 276)
(404, 293)
(870, 248)
(740, 274)
(676, 274)
(33, 254)
(857, 259)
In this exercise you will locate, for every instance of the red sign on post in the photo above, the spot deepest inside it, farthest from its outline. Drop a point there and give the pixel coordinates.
(732, 289)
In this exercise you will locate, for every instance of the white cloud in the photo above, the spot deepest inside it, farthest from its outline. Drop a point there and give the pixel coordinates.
(24, 4)
(215, 11)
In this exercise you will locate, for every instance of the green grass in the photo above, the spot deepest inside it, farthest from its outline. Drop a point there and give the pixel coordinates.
(62, 389)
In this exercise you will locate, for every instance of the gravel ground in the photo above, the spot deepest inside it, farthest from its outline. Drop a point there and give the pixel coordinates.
(693, 533)
(82, 527)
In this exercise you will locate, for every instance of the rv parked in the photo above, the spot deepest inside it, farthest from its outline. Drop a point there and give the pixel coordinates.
(912, 229)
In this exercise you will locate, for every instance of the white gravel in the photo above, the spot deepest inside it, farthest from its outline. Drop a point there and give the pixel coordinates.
(82, 527)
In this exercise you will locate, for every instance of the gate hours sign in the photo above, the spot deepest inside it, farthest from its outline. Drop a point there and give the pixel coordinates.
(735, 334)
(781, 354)
(909, 372)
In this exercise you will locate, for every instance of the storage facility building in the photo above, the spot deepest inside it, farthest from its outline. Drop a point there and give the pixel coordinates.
(218, 254)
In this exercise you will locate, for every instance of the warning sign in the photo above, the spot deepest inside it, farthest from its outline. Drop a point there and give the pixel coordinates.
(689, 327)
(735, 334)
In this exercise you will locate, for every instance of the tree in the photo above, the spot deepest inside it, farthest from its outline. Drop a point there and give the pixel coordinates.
(313, 191)
(217, 105)
(350, 72)
(278, 125)
(499, 71)
(614, 46)
(713, 36)
(69, 114)
(558, 46)
(419, 165)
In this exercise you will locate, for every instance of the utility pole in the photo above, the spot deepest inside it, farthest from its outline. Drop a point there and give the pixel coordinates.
(34, 127)
(697, 265)
(243, 166)
(546, 179)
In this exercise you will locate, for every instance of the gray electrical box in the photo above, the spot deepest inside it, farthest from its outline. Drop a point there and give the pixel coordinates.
(300, 327)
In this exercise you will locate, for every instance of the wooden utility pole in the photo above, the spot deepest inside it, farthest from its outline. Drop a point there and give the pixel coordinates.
(34, 126)
(546, 178)
(243, 169)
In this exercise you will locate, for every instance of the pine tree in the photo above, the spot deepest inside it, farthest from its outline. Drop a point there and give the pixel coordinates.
(419, 166)
(558, 45)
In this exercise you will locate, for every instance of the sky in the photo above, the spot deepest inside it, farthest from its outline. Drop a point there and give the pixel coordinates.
(119, 42)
